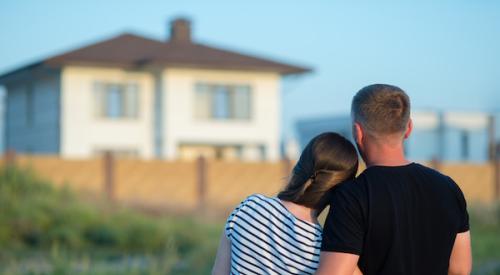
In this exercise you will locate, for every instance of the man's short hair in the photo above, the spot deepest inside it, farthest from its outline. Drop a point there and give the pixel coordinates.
(381, 109)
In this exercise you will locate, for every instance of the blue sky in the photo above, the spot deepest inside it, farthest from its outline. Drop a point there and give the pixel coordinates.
(445, 54)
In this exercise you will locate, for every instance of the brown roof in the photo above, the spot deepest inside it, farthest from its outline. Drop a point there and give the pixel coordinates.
(132, 51)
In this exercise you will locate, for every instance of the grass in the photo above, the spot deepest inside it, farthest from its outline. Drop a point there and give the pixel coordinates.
(50, 231)
(485, 231)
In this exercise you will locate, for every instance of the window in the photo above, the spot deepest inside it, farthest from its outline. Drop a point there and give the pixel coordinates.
(119, 153)
(114, 100)
(211, 151)
(222, 102)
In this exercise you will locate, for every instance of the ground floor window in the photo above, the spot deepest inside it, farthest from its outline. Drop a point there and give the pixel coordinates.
(119, 153)
(226, 152)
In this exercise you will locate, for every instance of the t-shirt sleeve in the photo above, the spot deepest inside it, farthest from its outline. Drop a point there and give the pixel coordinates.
(463, 215)
(233, 217)
(344, 227)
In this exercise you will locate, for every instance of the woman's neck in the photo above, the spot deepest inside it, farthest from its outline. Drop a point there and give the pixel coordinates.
(301, 212)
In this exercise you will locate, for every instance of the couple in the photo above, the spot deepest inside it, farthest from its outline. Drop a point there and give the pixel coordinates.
(397, 217)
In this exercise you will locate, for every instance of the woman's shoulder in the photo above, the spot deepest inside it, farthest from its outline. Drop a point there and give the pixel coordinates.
(275, 211)
(262, 205)
(257, 197)
(256, 202)
(253, 206)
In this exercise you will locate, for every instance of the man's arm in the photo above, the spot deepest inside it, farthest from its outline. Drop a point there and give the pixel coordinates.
(461, 256)
(343, 233)
(337, 263)
(222, 263)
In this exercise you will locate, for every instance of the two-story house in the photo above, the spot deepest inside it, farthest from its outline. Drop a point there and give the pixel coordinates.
(142, 97)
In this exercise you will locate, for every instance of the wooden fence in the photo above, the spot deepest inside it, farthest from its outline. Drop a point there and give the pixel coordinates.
(203, 184)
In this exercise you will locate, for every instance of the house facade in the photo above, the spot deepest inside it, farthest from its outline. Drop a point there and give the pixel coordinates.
(146, 98)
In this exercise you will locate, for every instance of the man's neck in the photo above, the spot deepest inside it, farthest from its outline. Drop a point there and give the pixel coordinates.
(384, 155)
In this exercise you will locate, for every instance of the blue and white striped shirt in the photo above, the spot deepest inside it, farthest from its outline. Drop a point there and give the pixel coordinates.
(267, 239)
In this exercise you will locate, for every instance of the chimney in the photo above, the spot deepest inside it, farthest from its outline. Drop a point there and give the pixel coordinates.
(180, 31)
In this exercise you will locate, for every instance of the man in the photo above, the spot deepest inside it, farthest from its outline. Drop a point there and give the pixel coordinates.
(397, 217)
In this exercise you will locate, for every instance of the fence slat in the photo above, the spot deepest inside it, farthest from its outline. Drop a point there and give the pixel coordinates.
(10, 158)
(201, 173)
(109, 179)
(496, 164)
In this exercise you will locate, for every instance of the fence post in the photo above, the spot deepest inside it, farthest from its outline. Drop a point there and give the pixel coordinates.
(287, 166)
(10, 158)
(109, 177)
(496, 167)
(494, 156)
(441, 142)
(201, 181)
(435, 163)
(492, 146)
(497, 179)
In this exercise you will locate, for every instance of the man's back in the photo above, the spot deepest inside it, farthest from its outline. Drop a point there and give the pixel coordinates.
(400, 220)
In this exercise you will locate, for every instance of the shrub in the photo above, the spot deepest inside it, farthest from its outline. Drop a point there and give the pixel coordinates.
(46, 230)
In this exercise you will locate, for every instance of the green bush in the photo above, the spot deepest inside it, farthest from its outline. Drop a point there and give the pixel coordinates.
(45, 227)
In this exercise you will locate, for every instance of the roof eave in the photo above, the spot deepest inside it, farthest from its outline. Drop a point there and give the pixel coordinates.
(4, 78)
(53, 63)
(297, 71)
(275, 69)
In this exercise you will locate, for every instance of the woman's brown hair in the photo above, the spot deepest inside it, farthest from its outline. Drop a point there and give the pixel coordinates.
(327, 160)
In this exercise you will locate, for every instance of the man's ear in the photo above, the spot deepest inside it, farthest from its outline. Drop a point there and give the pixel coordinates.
(409, 128)
(357, 131)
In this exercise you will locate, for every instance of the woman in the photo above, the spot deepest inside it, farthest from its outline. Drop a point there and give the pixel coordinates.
(281, 235)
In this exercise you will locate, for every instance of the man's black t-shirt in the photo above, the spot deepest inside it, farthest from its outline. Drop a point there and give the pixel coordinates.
(400, 220)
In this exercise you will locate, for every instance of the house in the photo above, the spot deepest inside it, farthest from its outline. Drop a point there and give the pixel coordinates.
(447, 136)
(141, 97)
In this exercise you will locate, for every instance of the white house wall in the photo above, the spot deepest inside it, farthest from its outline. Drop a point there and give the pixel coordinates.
(32, 115)
(180, 126)
(83, 133)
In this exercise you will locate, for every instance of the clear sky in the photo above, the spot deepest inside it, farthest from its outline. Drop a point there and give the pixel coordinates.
(445, 54)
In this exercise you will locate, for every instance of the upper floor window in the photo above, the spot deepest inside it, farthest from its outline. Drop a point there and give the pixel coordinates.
(116, 100)
(222, 102)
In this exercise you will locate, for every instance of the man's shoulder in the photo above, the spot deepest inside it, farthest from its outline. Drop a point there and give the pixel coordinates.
(354, 188)
(435, 176)
(429, 170)
(358, 184)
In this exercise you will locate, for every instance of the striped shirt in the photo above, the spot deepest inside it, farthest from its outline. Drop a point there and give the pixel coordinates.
(267, 239)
